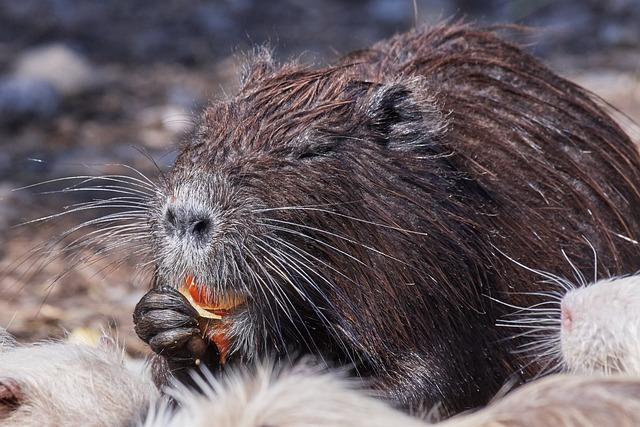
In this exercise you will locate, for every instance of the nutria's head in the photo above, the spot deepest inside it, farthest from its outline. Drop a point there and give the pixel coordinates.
(298, 205)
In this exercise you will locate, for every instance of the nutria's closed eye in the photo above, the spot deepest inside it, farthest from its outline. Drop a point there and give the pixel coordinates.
(316, 150)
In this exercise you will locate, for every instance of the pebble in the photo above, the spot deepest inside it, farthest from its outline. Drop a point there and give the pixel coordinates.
(23, 98)
(60, 66)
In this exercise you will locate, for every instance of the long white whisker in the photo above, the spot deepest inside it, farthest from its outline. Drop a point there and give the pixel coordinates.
(337, 236)
(302, 208)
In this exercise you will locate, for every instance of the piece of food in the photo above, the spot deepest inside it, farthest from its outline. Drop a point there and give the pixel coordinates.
(206, 305)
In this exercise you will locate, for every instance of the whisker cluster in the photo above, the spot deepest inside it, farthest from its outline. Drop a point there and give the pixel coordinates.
(540, 324)
(118, 219)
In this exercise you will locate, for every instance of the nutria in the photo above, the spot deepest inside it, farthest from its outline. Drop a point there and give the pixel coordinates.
(57, 383)
(370, 212)
(308, 396)
(305, 394)
(295, 398)
(600, 327)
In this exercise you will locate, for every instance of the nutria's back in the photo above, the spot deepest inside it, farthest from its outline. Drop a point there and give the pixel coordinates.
(530, 139)
(367, 211)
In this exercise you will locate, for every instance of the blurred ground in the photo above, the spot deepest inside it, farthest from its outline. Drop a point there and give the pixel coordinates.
(85, 84)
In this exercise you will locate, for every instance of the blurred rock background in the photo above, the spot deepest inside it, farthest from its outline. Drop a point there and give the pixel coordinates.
(86, 84)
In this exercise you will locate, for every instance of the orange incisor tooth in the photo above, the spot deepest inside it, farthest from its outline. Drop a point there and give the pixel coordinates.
(209, 306)
(195, 298)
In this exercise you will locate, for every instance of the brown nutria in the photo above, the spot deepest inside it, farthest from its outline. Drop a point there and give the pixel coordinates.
(368, 212)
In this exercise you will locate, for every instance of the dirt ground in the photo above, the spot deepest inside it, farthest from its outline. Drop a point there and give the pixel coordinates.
(132, 96)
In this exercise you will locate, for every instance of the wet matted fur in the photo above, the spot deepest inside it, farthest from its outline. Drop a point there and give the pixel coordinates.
(367, 211)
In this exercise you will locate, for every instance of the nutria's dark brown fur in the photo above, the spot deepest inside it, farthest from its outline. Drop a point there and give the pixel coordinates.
(369, 209)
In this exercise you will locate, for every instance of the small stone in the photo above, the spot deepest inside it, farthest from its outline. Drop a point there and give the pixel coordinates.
(23, 98)
(64, 69)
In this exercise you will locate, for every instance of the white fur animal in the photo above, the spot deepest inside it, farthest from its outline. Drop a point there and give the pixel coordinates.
(600, 327)
(302, 396)
(593, 328)
(308, 397)
(562, 401)
(62, 384)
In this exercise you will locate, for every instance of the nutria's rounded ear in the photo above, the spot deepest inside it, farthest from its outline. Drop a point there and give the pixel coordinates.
(404, 113)
(11, 395)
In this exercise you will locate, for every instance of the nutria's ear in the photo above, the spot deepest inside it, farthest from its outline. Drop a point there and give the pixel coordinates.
(402, 113)
(11, 396)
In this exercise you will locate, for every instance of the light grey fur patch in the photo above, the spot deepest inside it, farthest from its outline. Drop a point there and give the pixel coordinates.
(302, 396)
(562, 401)
(62, 384)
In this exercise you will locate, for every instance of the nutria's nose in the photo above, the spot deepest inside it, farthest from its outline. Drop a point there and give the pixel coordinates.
(185, 224)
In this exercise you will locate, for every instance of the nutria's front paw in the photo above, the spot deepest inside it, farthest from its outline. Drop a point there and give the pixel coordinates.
(166, 321)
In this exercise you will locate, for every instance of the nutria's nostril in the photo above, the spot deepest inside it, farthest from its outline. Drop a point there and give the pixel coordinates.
(200, 228)
(183, 223)
(170, 217)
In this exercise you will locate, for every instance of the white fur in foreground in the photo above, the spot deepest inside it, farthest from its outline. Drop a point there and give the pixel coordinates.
(562, 401)
(307, 396)
(62, 384)
(304, 395)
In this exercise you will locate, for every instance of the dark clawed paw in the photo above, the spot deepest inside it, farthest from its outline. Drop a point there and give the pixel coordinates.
(165, 320)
